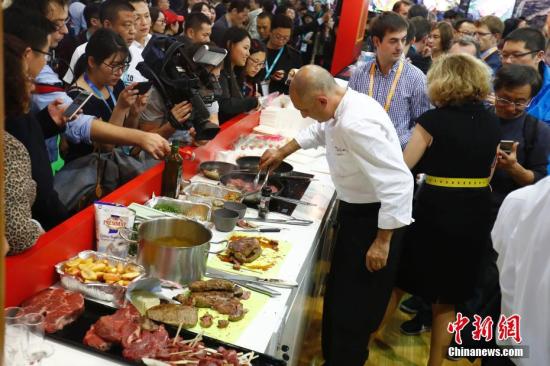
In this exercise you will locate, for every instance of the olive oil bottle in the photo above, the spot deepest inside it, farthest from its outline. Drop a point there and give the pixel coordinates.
(171, 176)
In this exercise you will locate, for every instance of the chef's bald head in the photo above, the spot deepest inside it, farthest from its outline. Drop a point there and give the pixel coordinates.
(314, 93)
(313, 80)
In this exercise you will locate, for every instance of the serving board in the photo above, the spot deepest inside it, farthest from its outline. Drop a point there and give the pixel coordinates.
(73, 334)
(268, 257)
(234, 330)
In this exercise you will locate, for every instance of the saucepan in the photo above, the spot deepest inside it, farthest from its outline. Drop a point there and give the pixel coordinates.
(245, 183)
(173, 249)
(252, 163)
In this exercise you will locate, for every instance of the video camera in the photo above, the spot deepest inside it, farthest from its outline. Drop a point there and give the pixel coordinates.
(178, 71)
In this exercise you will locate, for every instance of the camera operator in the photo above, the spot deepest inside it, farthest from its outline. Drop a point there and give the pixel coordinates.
(237, 43)
(155, 116)
(198, 28)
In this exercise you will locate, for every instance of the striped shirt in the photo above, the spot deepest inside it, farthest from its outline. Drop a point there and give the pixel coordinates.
(409, 101)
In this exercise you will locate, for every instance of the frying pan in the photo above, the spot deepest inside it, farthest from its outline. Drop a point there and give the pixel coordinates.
(215, 169)
(249, 177)
(251, 164)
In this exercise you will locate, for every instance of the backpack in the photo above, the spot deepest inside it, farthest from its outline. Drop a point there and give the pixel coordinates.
(530, 133)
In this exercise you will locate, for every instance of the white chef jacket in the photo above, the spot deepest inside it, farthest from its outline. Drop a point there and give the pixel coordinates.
(521, 236)
(130, 76)
(365, 158)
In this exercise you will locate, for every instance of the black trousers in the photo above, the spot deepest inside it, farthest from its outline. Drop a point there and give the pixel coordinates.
(356, 299)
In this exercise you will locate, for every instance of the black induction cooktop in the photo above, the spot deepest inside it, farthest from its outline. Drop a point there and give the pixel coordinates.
(294, 188)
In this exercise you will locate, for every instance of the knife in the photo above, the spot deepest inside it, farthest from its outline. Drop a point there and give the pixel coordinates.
(254, 279)
(291, 221)
(261, 230)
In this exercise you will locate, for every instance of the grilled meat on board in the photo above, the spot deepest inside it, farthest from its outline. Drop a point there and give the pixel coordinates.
(174, 314)
(244, 250)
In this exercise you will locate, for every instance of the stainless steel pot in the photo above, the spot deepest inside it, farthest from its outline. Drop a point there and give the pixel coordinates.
(181, 264)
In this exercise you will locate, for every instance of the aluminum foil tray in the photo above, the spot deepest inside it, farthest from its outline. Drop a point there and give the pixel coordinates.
(199, 211)
(113, 293)
(211, 194)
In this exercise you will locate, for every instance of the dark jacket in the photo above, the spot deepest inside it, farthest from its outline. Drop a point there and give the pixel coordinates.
(31, 130)
(494, 62)
(290, 59)
(218, 31)
(423, 63)
(232, 101)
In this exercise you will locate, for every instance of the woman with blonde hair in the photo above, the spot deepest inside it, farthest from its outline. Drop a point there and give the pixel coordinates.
(455, 146)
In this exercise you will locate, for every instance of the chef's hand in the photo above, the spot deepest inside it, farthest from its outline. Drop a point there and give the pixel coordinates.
(271, 159)
(377, 255)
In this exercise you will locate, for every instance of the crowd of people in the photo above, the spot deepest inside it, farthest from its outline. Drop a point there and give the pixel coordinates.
(469, 104)
(436, 98)
(60, 50)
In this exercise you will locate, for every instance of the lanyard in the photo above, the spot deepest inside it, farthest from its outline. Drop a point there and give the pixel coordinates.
(268, 69)
(393, 85)
(99, 94)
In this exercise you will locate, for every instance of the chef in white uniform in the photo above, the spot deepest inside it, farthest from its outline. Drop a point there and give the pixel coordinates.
(375, 190)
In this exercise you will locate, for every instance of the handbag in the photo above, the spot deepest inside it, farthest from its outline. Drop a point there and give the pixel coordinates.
(86, 179)
(132, 165)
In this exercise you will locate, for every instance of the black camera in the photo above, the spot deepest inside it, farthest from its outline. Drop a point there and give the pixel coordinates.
(179, 71)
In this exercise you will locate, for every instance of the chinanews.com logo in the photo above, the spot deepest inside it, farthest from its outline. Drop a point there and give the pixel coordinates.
(508, 330)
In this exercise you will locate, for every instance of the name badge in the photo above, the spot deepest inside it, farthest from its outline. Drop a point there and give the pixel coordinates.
(265, 87)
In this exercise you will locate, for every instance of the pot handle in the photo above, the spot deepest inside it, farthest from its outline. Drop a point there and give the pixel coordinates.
(125, 234)
(219, 242)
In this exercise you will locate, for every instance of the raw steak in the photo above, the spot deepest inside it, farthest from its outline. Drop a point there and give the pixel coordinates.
(59, 307)
(93, 340)
(149, 344)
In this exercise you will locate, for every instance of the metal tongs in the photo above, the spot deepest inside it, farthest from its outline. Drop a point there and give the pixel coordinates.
(257, 181)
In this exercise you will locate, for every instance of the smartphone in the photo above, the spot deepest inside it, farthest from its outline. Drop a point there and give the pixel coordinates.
(143, 87)
(506, 146)
(77, 104)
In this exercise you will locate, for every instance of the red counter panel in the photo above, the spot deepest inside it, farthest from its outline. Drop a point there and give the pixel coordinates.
(33, 270)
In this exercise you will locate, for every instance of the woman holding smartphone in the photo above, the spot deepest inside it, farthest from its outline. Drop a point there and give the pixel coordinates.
(99, 72)
(237, 43)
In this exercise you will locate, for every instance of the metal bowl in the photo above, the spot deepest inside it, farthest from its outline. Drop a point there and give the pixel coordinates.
(215, 169)
(251, 163)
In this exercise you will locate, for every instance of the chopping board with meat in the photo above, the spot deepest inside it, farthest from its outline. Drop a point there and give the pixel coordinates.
(224, 309)
(251, 255)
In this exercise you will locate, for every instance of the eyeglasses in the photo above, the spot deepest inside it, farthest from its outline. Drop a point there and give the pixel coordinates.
(49, 54)
(470, 34)
(122, 68)
(514, 56)
(161, 21)
(481, 34)
(59, 24)
(259, 64)
(508, 103)
(280, 37)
